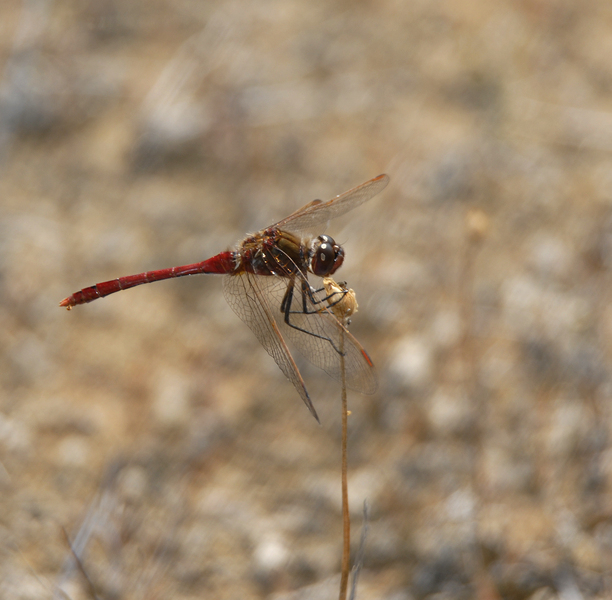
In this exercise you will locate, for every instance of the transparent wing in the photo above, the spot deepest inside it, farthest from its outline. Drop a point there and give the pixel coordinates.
(252, 304)
(316, 333)
(316, 214)
(311, 328)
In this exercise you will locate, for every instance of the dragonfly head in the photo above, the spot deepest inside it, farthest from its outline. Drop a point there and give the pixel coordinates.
(325, 256)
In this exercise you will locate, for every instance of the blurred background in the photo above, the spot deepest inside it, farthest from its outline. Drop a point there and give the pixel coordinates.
(150, 428)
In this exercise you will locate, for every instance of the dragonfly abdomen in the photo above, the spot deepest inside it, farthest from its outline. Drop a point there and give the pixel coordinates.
(222, 263)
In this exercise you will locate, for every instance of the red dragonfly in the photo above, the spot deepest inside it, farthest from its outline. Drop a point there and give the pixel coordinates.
(266, 284)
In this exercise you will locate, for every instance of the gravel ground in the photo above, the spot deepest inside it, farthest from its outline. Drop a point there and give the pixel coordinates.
(150, 435)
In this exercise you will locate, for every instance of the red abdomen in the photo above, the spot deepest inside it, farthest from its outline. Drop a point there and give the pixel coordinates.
(222, 263)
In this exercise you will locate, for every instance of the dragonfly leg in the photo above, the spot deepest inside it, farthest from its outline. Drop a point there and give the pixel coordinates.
(308, 290)
(286, 309)
(311, 293)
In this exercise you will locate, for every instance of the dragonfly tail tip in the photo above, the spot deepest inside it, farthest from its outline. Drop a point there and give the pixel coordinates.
(67, 303)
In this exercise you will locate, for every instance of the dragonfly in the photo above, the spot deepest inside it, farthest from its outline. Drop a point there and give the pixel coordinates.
(266, 283)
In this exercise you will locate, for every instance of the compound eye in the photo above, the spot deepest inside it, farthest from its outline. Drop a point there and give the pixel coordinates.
(325, 256)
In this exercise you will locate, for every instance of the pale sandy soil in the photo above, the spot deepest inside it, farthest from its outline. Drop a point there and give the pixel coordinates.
(154, 430)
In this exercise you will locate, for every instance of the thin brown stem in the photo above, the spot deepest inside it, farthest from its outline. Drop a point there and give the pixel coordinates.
(343, 309)
(90, 586)
(346, 520)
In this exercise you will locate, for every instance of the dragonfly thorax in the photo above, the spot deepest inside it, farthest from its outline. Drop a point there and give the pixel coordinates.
(325, 256)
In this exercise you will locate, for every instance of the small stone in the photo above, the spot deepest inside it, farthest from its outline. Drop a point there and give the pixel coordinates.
(412, 362)
(171, 406)
(446, 329)
(73, 451)
(14, 435)
(447, 412)
(133, 482)
(550, 256)
(271, 553)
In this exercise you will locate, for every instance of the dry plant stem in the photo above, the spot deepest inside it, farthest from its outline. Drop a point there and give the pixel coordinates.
(358, 565)
(343, 309)
(90, 586)
(346, 520)
(477, 229)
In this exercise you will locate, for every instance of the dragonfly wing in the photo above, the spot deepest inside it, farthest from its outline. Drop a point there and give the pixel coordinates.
(247, 296)
(316, 214)
(299, 211)
(316, 333)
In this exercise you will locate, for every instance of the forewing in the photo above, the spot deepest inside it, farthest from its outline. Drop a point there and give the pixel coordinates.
(316, 214)
(249, 298)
